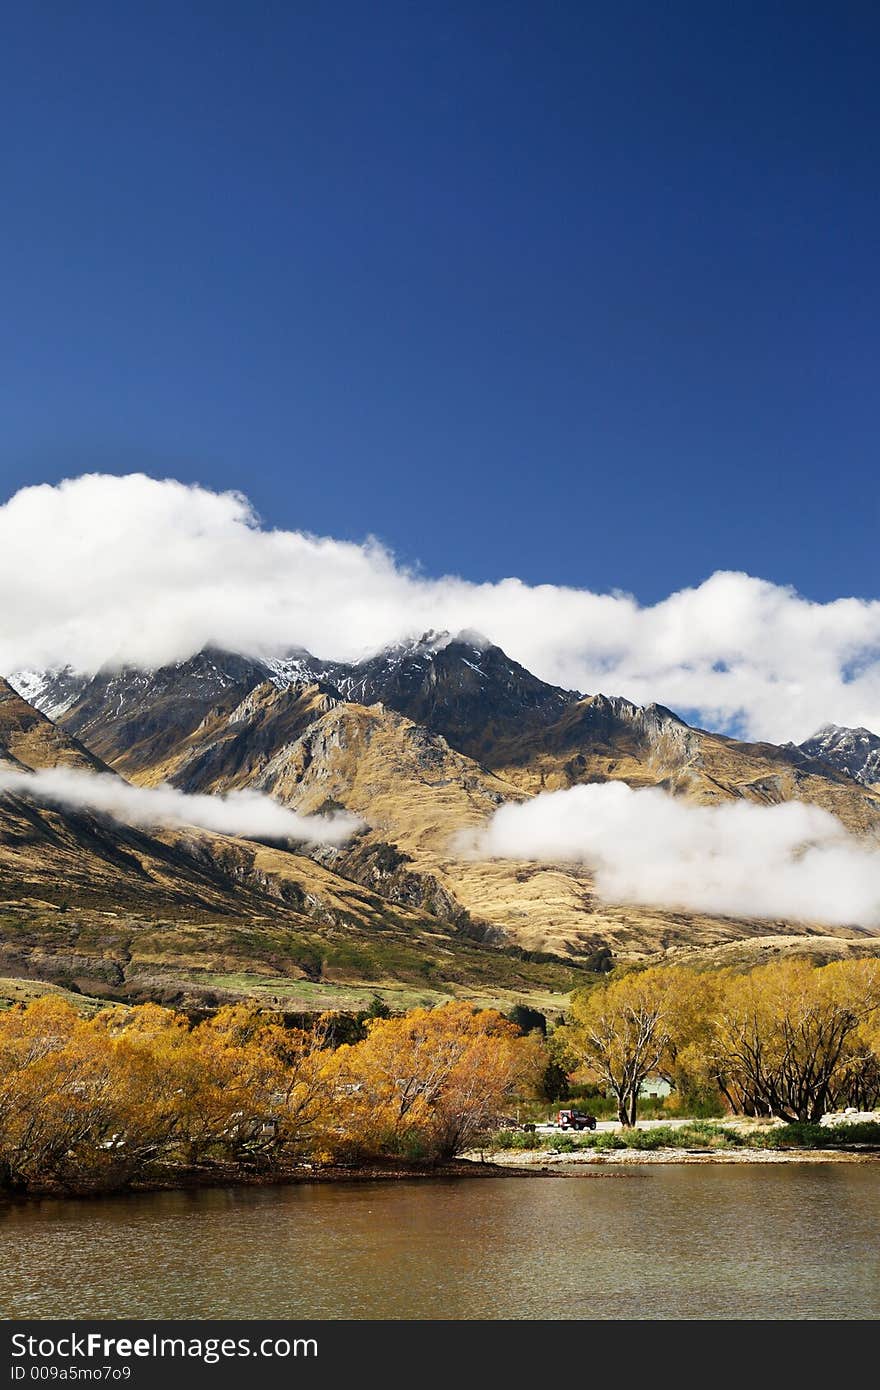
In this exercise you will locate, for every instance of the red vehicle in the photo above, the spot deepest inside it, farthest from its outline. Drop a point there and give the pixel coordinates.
(575, 1119)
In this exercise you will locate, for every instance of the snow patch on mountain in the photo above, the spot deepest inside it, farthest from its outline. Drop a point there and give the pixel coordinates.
(51, 692)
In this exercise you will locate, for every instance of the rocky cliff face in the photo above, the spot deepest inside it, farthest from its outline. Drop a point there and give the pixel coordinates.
(598, 738)
(464, 688)
(235, 742)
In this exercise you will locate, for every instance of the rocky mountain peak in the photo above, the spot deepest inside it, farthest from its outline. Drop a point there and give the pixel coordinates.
(853, 751)
(460, 687)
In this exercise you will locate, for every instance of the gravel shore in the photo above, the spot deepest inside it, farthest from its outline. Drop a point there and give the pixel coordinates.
(538, 1159)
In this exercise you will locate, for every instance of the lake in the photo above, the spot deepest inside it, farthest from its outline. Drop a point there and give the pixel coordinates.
(677, 1241)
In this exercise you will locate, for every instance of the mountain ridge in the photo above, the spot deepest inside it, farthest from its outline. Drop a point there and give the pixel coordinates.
(387, 676)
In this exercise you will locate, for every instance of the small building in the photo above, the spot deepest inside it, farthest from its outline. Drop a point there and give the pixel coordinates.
(654, 1088)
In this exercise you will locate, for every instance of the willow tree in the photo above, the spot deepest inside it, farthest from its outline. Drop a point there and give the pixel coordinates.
(97, 1103)
(629, 1029)
(787, 1034)
(860, 1083)
(429, 1083)
(57, 1095)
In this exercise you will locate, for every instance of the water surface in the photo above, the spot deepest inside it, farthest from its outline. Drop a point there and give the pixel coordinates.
(686, 1241)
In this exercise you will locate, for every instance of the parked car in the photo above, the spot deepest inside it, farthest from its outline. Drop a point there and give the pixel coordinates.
(575, 1119)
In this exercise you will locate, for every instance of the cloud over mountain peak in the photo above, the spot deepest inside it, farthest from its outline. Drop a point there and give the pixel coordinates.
(133, 570)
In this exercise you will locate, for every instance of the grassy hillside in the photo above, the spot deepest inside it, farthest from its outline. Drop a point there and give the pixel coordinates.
(204, 959)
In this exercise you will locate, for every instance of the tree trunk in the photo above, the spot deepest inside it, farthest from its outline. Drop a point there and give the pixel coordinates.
(627, 1108)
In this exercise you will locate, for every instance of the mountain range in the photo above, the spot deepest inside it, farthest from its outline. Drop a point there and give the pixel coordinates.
(422, 741)
(462, 687)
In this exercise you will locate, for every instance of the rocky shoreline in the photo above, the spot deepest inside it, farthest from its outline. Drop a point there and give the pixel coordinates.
(540, 1160)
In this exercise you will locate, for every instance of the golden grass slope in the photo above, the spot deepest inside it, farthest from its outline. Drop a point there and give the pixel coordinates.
(34, 741)
(749, 952)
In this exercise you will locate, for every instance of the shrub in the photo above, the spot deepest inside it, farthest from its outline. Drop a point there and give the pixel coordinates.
(700, 1135)
(810, 1136)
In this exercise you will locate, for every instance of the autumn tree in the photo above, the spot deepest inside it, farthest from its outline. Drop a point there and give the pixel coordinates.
(626, 1030)
(99, 1102)
(859, 1083)
(430, 1082)
(787, 1034)
(57, 1095)
(273, 1080)
(239, 1087)
(691, 1066)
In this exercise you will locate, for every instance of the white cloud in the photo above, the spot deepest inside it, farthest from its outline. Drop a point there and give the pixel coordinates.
(246, 813)
(114, 570)
(792, 861)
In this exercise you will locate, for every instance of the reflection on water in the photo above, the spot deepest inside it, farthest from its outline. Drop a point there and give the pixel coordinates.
(688, 1241)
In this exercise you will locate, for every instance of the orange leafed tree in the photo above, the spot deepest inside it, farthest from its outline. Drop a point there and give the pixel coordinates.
(428, 1084)
(96, 1103)
(58, 1095)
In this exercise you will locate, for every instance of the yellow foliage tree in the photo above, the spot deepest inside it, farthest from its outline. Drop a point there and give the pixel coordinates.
(57, 1095)
(860, 1084)
(630, 1028)
(273, 1087)
(786, 1034)
(98, 1103)
(429, 1083)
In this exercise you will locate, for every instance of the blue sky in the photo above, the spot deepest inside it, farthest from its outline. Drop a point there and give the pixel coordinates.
(582, 293)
